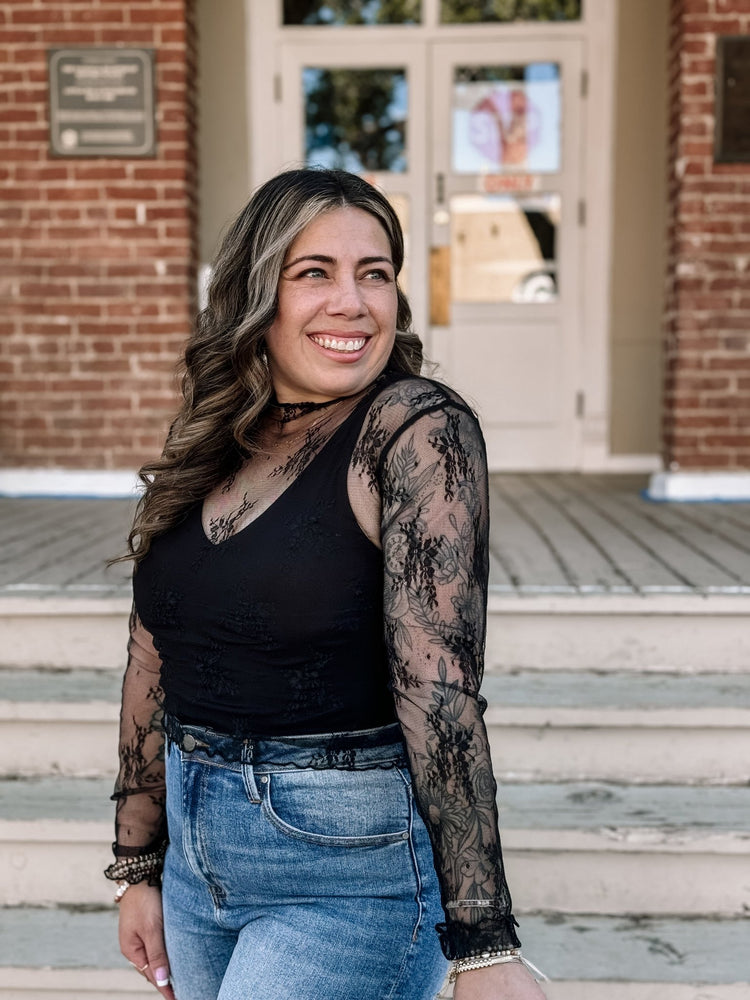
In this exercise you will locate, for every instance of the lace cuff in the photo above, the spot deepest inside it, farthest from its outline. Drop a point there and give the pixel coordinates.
(460, 940)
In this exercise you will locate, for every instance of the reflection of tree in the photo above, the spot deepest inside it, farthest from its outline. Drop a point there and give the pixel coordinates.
(352, 11)
(474, 11)
(349, 114)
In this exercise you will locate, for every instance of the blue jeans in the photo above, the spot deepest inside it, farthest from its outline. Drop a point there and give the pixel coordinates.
(288, 882)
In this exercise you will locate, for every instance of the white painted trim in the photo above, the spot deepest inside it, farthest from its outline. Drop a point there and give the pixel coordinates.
(625, 463)
(265, 120)
(598, 180)
(111, 483)
(688, 486)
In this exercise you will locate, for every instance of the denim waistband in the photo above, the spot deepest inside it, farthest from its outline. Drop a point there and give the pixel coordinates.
(380, 747)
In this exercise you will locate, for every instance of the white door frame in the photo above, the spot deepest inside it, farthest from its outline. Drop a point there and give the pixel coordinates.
(264, 45)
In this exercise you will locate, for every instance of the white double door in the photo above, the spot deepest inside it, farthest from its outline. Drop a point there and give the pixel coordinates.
(478, 145)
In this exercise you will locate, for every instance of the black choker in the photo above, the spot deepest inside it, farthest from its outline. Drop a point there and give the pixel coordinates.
(292, 411)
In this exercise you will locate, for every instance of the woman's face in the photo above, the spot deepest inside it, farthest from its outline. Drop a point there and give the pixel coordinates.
(336, 321)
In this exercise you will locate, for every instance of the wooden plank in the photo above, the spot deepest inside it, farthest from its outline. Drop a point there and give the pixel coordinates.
(71, 539)
(641, 567)
(93, 571)
(654, 535)
(700, 538)
(59, 557)
(528, 560)
(715, 519)
(499, 576)
(16, 512)
(61, 519)
(586, 564)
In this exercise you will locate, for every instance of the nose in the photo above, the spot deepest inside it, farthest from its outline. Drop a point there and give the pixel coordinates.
(346, 298)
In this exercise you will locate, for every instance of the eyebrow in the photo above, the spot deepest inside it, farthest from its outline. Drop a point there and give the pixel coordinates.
(324, 259)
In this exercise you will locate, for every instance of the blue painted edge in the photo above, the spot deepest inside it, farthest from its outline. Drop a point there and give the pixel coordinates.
(645, 495)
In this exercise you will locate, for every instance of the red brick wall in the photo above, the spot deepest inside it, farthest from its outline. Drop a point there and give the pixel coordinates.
(98, 256)
(707, 387)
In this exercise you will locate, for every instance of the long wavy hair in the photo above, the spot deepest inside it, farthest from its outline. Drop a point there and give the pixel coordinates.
(225, 380)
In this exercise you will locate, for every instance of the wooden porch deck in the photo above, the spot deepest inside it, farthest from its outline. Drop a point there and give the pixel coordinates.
(551, 534)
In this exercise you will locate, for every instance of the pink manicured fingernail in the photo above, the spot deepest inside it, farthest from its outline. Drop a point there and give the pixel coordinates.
(162, 977)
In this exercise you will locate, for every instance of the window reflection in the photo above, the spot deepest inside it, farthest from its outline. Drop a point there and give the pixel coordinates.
(506, 118)
(477, 11)
(351, 12)
(355, 119)
(503, 248)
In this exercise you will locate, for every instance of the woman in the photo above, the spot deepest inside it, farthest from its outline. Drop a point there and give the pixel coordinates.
(311, 558)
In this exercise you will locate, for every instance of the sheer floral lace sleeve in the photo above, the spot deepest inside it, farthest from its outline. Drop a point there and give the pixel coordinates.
(140, 789)
(434, 532)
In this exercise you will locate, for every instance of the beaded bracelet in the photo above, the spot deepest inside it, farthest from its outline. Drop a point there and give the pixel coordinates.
(484, 962)
(489, 958)
(133, 870)
(122, 888)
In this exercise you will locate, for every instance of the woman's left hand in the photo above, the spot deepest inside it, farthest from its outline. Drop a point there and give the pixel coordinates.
(509, 981)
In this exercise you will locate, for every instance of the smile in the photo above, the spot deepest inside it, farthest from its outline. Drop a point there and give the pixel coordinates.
(344, 346)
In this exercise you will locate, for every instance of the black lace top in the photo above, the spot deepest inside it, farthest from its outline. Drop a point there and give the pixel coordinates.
(370, 547)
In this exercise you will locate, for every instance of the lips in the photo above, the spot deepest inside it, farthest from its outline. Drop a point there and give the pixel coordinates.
(343, 345)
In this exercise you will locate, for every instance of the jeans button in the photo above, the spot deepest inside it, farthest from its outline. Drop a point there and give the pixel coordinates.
(189, 742)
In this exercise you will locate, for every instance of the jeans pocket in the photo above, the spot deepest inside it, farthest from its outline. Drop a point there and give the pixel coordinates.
(337, 808)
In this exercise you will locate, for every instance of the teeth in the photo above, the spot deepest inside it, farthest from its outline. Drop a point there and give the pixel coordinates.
(345, 346)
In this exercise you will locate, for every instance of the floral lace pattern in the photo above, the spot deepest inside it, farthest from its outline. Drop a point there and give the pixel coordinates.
(417, 485)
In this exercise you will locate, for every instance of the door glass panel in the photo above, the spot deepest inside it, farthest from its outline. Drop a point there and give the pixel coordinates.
(506, 118)
(349, 12)
(503, 248)
(477, 11)
(355, 119)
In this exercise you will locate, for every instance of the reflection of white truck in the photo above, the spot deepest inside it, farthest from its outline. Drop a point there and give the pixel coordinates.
(503, 248)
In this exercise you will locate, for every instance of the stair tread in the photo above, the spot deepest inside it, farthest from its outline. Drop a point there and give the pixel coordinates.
(588, 806)
(586, 689)
(524, 689)
(572, 947)
(60, 686)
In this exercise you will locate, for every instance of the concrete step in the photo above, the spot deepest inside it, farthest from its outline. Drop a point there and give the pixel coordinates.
(544, 725)
(625, 727)
(578, 847)
(67, 954)
(59, 632)
(666, 632)
(59, 722)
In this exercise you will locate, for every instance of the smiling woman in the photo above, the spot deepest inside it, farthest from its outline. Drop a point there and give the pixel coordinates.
(337, 304)
(308, 633)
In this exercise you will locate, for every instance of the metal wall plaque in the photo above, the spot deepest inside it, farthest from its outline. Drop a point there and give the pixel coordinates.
(732, 135)
(102, 102)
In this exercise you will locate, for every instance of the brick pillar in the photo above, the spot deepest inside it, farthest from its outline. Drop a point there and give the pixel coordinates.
(98, 255)
(707, 319)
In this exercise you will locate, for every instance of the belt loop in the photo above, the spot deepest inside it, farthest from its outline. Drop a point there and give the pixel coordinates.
(248, 770)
